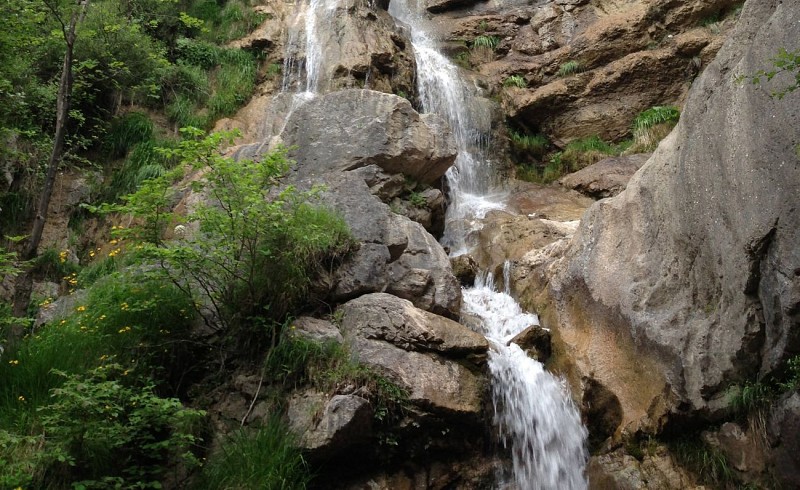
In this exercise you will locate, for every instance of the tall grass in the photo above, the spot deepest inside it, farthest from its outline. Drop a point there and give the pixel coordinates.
(536, 144)
(486, 42)
(127, 131)
(264, 459)
(233, 84)
(227, 21)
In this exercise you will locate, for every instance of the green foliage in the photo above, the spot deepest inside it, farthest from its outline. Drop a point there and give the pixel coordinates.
(266, 458)
(707, 462)
(417, 200)
(296, 361)
(652, 125)
(255, 250)
(105, 429)
(53, 265)
(515, 81)
(462, 59)
(127, 131)
(787, 62)
(536, 144)
(582, 152)
(569, 68)
(486, 42)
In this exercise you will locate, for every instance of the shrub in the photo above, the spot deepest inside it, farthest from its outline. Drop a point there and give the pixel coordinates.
(256, 249)
(105, 429)
(515, 81)
(569, 68)
(266, 458)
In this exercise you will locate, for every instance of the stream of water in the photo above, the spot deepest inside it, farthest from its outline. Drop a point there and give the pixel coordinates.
(533, 409)
(534, 414)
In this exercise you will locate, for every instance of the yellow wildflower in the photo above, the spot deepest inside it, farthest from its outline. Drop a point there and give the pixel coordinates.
(123, 306)
(21, 398)
(124, 329)
(14, 362)
(81, 308)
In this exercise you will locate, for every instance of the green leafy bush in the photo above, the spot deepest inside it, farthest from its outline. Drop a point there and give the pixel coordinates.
(256, 249)
(102, 430)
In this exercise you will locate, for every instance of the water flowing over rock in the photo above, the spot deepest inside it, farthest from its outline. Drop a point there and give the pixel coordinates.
(334, 45)
(693, 269)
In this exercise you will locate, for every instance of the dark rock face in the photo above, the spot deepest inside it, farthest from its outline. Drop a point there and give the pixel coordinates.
(693, 269)
(783, 432)
(606, 178)
(535, 341)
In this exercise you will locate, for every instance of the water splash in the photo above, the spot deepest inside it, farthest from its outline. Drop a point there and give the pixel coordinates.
(533, 410)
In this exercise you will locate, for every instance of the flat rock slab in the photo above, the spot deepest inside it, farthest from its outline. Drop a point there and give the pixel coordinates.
(606, 178)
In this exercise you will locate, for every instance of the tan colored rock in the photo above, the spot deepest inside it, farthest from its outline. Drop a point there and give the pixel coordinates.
(685, 280)
(656, 471)
(418, 351)
(605, 178)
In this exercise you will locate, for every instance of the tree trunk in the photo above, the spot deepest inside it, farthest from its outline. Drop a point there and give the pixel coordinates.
(24, 283)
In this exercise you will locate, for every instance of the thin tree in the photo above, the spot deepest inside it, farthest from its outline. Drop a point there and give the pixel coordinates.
(24, 283)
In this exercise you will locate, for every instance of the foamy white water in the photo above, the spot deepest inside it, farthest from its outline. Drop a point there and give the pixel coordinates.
(534, 413)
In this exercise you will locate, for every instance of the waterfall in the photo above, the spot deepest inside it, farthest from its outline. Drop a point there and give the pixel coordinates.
(534, 413)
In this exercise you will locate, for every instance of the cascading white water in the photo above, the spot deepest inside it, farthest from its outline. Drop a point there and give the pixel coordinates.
(533, 410)
(304, 60)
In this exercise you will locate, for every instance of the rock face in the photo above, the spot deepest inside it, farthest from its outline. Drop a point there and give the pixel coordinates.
(355, 128)
(397, 255)
(606, 178)
(688, 279)
(629, 55)
(430, 356)
(656, 471)
(329, 424)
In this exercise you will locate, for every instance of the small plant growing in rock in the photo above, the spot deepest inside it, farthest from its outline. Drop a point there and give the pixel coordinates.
(652, 125)
(486, 42)
(515, 81)
(532, 143)
(569, 68)
(784, 62)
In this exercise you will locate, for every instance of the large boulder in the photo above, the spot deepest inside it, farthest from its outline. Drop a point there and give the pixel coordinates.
(350, 129)
(326, 424)
(435, 359)
(688, 280)
(396, 254)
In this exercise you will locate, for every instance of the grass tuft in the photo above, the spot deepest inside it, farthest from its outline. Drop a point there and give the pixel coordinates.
(653, 125)
(569, 68)
(515, 81)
